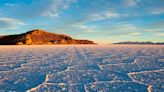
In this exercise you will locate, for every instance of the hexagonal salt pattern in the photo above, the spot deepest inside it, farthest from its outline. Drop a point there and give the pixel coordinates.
(82, 68)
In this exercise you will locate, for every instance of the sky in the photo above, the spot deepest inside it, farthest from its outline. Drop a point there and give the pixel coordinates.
(102, 21)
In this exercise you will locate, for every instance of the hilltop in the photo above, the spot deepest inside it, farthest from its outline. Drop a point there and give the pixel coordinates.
(148, 42)
(40, 37)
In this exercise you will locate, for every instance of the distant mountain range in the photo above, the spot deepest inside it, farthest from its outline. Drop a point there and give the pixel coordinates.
(148, 42)
(40, 37)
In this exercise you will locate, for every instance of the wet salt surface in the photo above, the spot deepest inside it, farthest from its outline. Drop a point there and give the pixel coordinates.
(82, 68)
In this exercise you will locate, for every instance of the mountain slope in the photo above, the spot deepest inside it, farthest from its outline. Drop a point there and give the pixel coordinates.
(40, 37)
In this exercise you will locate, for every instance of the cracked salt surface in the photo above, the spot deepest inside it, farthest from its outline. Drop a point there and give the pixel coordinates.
(82, 68)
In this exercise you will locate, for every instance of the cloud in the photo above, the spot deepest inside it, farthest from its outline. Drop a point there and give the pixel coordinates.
(154, 27)
(149, 30)
(103, 15)
(11, 5)
(84, 28)
(157, 11)
(95, 17)
(37, 8)
(131, 3)
(126, 27)
(9, 23)
(134, 34)
(122, 30)
(156, 30)
(109, 14)
(54, 7)
(130, 34)
(160, 34)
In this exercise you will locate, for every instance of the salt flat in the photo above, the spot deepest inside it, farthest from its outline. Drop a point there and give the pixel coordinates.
(82, 68)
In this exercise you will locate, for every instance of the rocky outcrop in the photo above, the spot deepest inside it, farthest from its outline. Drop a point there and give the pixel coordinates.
(40, 37)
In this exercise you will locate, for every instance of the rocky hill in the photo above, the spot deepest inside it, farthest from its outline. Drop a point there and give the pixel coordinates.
(40, 37)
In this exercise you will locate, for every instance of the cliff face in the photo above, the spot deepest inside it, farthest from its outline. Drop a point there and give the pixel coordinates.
(40, 37)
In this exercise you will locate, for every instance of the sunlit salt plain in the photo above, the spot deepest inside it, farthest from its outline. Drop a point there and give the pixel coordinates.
(82, 68)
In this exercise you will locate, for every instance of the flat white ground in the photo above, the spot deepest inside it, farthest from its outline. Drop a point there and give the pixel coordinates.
(82, 68)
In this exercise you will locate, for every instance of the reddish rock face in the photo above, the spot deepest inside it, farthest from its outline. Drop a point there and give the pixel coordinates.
(40, 37)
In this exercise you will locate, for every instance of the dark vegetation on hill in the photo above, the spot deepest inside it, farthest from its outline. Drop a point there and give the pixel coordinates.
(40, 37)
